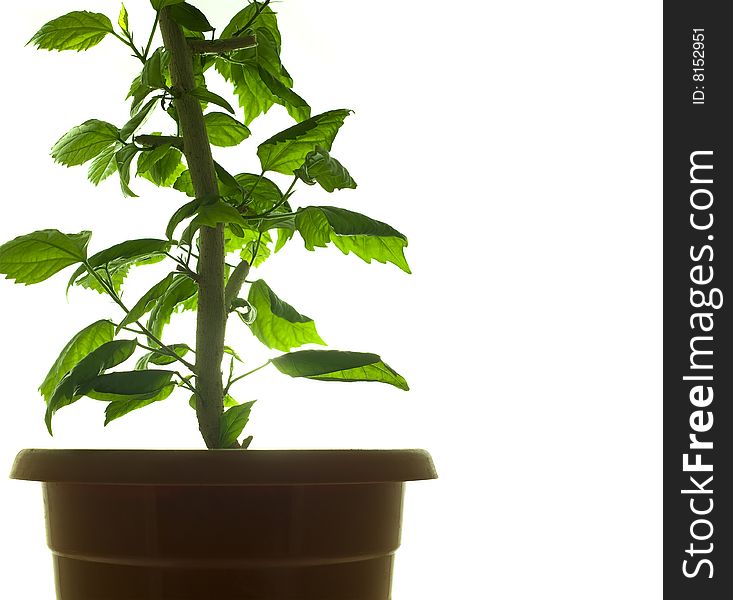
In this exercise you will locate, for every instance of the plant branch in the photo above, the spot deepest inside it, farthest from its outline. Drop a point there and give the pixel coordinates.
(130, 45)
(222, 45)
(247, 374)
(112, 294)
(152, 34)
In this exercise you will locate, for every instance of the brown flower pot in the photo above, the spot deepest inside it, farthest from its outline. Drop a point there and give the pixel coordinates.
(223, 524)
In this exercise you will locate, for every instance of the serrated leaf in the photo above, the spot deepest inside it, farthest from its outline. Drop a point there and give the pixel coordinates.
(278, 325)
(286, 151)
(232, 422)
(181, 290)
(265, 19)
(116, 260)
(252, 94)
(138, 120)
(103, 165)
(184, 184)
(258, 76)
(166, 167)
(283, 237)
(319, 167)
(37, 256)
(189, 17)
(71, 388)
(84, 342)
(352, 232)
(334, 365)
(84, 142)
(159, 357)
(77, 30)
(205, 95)
(146, 302)
(224, 130)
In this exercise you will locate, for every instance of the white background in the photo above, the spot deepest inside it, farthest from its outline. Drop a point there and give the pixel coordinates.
(518, 145)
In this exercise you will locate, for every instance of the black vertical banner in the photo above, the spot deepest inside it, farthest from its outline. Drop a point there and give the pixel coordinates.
(698, 333)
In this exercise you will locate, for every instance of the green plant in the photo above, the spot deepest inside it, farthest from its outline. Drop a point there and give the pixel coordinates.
(226, 215)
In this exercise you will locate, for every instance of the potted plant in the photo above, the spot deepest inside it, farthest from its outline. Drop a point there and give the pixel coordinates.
(228, 521)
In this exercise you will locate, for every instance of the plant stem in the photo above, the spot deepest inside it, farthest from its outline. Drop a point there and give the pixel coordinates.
(247, 374)
(211, 315)
(152, 34)
(132, 47)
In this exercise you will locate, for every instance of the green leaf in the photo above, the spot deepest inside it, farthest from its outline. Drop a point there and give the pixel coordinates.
(297, 108)
(129, 251)
(130, 390)
(138, 92)
(72, 387)
(233, 353)
(183, 213)
(118, 259)
(153, 73)
(103, 165)
(224, 130)
(232, 422)
(183, 289)
(246, 73)
(334, 365)
(228, 402)
(252, 94)
(245, 241)
(148, 158)
(78, 30)
(283, 237)
(352, 232)
(158, 4)
(145, 304)
(278, 325)
(328, 172)
(286, 151)
(265, 19)
(87, 340)
(37, 256)
(219, 212)
(205, 95)
(189, 17)
(124, 20)
(163, 167)
(137, 121)
(184, 184)
(261, 193)
(124, 158)
(84, 142)
(158, 357)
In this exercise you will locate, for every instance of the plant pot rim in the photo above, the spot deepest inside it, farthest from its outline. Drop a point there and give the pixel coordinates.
(222, 467)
